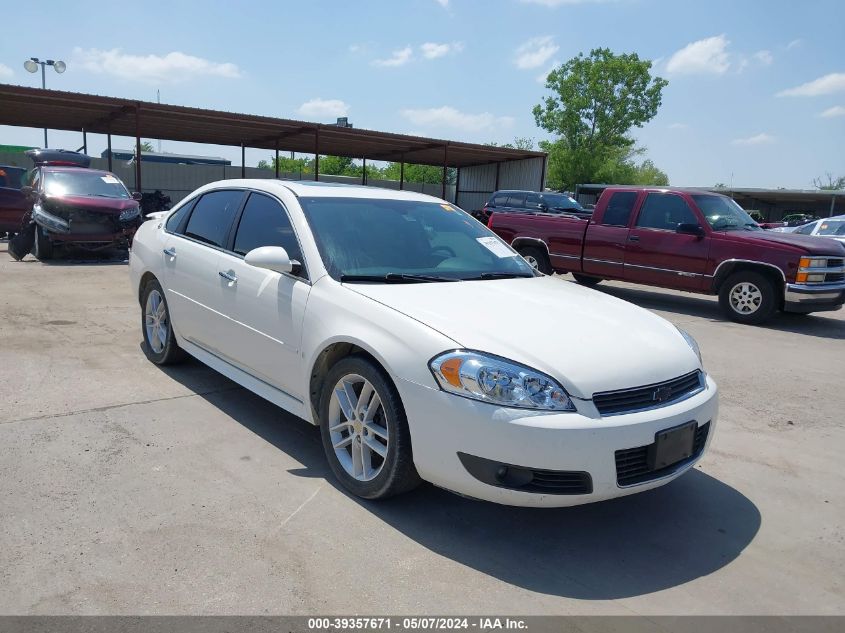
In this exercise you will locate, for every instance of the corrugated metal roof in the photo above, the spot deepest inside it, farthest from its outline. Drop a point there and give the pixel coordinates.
(35, 107)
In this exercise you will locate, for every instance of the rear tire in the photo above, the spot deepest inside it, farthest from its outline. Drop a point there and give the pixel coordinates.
(586, 280)
(160, 344)
(537, 258)
(367, 442)
(748, 297)
(42, 247)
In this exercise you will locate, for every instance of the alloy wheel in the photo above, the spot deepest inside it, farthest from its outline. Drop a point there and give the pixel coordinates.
(155, 321)
(745, 298)
(358, 427)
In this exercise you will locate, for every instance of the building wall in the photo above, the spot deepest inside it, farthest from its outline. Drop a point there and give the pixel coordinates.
(477, 183)
(177, 181)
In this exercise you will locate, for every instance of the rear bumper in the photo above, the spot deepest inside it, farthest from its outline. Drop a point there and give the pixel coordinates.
(813, 298)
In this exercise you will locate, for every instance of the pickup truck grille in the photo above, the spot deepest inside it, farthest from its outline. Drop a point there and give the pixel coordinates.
(632, 463)
(649, 396)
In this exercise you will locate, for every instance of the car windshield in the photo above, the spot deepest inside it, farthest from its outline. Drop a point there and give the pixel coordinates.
(560, 201)
(832, 227)
(403, 241)
(84, 183)
(723, 214)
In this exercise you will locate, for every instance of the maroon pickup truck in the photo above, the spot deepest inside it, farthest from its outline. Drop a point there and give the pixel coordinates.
(688, 240)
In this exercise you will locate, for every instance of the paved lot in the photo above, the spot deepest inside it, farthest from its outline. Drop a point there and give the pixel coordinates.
(128, 489)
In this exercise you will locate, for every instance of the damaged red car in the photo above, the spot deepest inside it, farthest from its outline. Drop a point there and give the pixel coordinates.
(74, 204)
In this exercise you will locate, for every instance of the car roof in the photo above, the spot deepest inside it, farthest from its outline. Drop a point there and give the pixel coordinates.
(310, 189)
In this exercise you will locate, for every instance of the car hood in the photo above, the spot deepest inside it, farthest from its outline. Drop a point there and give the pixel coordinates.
(809, 244)
(587, 340)
(91, 204)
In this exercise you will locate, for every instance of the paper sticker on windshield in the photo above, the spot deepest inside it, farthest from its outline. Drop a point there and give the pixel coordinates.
(495, 246)
(448, 207)
(109, 179)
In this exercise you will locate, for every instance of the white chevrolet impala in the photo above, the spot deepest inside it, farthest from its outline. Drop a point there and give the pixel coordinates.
(422, 345)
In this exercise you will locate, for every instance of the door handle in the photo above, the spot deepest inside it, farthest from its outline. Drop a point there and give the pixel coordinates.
(633, 238)
(170, 252)
(228, 276)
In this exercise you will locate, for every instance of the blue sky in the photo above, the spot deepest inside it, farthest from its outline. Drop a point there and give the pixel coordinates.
(756, 91)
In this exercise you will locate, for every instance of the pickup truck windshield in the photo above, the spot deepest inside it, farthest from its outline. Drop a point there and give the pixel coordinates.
(723, 214)
(84, 183)
(405, 241)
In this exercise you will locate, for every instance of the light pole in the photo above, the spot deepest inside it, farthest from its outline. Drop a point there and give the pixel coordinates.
(32, 65)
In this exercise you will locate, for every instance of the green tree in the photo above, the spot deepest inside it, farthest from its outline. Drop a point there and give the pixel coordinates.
(594, 104)
(147, 146)
(419, 173)
(519, 142)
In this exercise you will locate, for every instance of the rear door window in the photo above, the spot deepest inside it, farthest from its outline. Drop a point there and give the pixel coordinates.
(619, 208)
(533, 202)
(665, 211)
(516, 200)
(212, 217)
(500, 200)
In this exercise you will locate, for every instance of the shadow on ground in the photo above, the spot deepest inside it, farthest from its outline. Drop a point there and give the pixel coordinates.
(816, 324)
(73, 255)
(622, 548)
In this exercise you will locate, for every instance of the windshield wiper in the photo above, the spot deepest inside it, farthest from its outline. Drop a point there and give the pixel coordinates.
(396, 278)
(498, 276)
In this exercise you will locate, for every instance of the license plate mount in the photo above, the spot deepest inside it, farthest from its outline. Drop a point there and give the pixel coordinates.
(672, 446)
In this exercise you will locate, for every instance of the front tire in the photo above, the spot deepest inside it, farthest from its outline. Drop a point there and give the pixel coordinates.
(365, 432)
(748, 297)
(160, 344)
(42, 247)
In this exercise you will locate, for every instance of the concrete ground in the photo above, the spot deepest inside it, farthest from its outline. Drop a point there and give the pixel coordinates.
(127, 489)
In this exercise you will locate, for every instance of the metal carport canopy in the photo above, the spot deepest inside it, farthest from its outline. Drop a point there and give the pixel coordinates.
(59, 110)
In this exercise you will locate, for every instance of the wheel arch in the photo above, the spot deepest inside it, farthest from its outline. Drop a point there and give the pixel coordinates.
(730, 267)
(146, 278)
(530, 241)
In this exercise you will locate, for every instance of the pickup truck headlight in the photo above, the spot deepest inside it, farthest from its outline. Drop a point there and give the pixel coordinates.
(692, 343)
(498, 381)
(129, 214)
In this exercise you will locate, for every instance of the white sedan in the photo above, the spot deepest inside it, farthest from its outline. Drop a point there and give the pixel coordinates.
(422, 345)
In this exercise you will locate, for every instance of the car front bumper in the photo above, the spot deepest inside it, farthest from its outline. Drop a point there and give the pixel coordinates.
(813, 297)
(445, 429)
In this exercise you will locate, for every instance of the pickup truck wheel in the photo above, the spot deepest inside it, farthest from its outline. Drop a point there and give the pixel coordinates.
(365, 432)
(586, 280)
(748, 297)
(160, 344)
(537, 258)
(42, 247)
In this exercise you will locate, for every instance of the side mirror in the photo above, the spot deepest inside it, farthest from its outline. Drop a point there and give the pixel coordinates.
(137, 195)
(273, 258)
(690, 229)
(28, 191)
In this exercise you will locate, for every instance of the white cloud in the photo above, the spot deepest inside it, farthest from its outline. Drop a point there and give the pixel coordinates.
(354, 48)
(443, 3)
(707, 56)
(450, 117)
(757, 139)
(834, 82)
(794, 43)
(535, 52)
(173, 67)
(6, 72)
(764, 57)
(433, 50)
(399, 57)
(323, 108)
(833, 112)
(678, 126)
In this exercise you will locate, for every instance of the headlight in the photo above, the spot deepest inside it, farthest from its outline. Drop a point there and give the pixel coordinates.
(129, 214)
(498, 381)
(692, 343)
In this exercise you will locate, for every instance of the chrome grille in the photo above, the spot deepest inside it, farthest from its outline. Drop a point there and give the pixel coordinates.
(649, 396)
